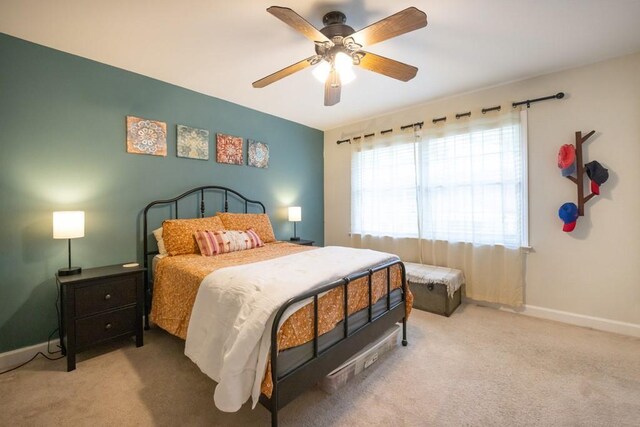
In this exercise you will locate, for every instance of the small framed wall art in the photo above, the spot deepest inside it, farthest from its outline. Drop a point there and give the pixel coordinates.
(258, 154)
(192, 143)
(229, 149)
(146, 136)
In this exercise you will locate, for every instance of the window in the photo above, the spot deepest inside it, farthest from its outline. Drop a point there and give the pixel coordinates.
(459, 183)
(383, 189)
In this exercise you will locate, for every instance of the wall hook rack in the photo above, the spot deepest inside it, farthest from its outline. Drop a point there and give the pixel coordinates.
(579, 178)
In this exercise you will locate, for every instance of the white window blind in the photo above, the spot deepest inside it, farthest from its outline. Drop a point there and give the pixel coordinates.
(383, 187)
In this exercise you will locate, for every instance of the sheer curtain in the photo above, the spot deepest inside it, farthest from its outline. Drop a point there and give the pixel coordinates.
(472, 203)
(453, 195)
(383, 192)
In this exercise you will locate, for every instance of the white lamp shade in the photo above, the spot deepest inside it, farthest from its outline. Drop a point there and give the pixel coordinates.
(295, 213)
(68, 224)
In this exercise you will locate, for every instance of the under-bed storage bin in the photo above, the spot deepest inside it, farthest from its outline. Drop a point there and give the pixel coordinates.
(361, 361)
(435, 289)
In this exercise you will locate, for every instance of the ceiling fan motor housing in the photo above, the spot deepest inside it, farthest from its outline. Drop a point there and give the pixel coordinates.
(334, 17)
(335, 25)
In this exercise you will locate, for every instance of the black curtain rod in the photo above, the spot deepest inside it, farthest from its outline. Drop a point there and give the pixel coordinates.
(382, 132)
(528, 102)
(412, 125)
(496, 108)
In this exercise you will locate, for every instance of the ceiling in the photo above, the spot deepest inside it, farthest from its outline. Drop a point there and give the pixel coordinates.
(220, 47)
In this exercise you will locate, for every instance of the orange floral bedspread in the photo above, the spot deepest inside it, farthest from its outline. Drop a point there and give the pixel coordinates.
(177, 279)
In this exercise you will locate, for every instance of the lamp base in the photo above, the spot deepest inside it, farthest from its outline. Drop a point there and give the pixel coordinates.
(69, 271)
(295, 239)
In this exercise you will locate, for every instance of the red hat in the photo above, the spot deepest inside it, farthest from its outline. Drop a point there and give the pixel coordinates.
(566, 156)
(569, 226)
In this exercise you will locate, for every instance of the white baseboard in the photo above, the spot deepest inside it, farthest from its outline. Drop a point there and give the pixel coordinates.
(13, 358)
(21, 355)
(598, 323)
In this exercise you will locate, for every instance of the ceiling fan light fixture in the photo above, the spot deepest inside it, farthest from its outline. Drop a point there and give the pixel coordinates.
(321, 71)
(344, 67)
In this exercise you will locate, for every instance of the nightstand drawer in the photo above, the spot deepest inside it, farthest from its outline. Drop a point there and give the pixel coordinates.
(106, 295)
(100, 327)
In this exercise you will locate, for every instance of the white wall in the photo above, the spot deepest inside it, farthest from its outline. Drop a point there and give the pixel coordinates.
(594, 271)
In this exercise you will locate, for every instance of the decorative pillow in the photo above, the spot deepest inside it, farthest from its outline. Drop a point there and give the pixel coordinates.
(158, 235)
(220, 242)
(178, 233)
(241, 221)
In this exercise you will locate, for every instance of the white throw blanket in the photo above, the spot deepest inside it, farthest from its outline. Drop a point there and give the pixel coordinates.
(229, 333)
(427, 274)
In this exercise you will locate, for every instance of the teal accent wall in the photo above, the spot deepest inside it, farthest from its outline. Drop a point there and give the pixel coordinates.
(62, 133)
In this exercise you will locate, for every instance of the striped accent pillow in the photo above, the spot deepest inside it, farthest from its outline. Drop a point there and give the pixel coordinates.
(223, 241)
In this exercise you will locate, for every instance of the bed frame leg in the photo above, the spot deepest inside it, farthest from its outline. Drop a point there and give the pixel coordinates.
(404, 332)
(274, 418)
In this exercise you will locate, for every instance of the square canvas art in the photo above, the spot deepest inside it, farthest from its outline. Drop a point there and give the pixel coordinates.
(258, 153)
(146, 136)
(193, 143)
(229, 149)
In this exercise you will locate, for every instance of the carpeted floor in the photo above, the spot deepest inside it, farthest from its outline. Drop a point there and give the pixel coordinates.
(480, 367)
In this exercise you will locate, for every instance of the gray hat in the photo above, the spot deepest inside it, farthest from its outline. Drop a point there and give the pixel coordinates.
(598, 175)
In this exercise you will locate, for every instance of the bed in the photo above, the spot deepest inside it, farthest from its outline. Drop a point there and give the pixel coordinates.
(311, 333)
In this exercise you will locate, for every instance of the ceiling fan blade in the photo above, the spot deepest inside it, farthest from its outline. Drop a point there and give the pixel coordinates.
(332, 88)
(388, 67)
(298, 23)
(402, 22)
(271, 78)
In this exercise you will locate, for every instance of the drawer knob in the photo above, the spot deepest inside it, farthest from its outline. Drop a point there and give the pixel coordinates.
(107, 297)
(107, 326)
(430, 286)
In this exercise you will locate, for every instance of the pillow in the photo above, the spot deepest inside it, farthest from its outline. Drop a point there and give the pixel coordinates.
(158, 235)
(178, 233)
(241, 221)
(220, 242)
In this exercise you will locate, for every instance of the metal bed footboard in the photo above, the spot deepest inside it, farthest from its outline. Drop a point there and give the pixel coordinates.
(292, 384)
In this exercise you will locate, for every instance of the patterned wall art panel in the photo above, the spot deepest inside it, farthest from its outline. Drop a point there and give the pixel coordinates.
(193, 143)
(229, 149)
(258, 153)
(146, 136)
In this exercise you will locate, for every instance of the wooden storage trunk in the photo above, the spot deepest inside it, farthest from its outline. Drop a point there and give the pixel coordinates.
(433, 297)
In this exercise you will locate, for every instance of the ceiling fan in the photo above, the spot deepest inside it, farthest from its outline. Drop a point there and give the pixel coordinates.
(338, 47)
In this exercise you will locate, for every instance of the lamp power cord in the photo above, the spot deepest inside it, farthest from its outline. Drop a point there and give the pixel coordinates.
(48, 342)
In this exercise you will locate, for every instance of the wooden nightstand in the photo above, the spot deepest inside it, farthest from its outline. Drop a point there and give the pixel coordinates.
(302, 242)
(99, 305)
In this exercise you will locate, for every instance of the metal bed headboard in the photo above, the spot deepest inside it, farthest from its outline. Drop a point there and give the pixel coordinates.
(174, 202)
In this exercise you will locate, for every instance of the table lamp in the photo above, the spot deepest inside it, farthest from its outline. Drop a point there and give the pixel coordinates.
(295, 215)
(68, 225)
